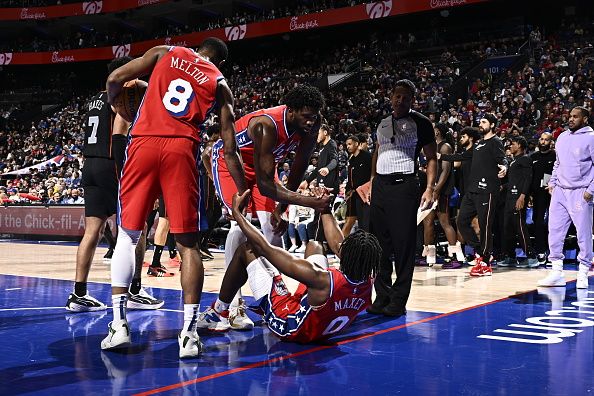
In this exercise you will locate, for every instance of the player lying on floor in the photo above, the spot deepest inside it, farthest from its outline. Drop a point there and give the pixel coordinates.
(327, 299)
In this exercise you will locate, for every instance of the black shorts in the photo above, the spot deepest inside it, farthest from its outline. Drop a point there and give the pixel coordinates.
(100, 182)
(443, 203)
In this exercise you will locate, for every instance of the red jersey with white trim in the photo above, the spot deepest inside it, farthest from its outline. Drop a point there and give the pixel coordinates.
(293, 319)
(285, 142)
(180, 95)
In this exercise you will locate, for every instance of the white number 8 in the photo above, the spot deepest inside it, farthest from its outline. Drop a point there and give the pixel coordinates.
(176, 101)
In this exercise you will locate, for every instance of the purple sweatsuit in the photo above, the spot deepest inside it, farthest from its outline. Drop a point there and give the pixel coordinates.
(573, 173)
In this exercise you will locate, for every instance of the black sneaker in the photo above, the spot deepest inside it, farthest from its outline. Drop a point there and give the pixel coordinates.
(204, 257)
(143, 300)
(108, 255)
(159, 272)
(378, 305)
(394, 310)
(206, 252)
(85, 303)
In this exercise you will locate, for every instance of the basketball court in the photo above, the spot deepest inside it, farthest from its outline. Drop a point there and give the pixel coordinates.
(461, 336)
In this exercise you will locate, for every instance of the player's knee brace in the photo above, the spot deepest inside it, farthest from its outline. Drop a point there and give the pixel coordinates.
(122, 262)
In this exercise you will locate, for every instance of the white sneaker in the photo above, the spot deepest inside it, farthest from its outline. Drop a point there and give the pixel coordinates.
(189, 344)
(292, 249)
(118, 336)
(301, 248)
(457, 250)
(553, 279)
(238, 318)
(213, 320)
(582, 281)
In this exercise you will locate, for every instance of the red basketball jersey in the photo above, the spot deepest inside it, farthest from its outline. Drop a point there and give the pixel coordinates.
(285, 142)
(180, 95)
(300, 322)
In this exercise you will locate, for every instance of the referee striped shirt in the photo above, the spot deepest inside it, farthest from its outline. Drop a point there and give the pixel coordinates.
(400, 141)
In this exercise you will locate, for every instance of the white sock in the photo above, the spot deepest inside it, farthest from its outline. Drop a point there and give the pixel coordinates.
(190, 314)
(271, 237)
(583, 269)
(123, 260)
(118, 303)
(235, 238)
(220, 306)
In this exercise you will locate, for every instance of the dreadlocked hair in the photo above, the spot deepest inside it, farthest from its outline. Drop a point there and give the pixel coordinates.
(304, 96)
(360, 255)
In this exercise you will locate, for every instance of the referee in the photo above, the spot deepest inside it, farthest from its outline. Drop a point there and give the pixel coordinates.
(395, 196)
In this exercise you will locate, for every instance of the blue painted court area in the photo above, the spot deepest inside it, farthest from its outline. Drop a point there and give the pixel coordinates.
(47, 350)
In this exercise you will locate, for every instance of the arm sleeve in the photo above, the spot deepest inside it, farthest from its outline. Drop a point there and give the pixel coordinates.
(332, 155)
(553, 179)
(425, 132)
(499, 153)
(465, 156)
(526, 176)
(590, 188)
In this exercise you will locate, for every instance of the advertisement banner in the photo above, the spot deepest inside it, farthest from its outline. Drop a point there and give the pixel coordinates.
(65, 10)
(358, 13)
(58, 221)
(66, 221)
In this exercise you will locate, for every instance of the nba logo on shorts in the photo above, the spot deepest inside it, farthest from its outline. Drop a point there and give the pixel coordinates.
(235, 32)
(280, 288)
(379, 9)
(92, 7)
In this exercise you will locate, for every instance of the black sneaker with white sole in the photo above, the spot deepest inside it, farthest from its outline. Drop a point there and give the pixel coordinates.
(85, 303)
(143, 300)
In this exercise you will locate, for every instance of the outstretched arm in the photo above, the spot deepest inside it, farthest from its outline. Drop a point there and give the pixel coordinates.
(301, 270)
(135, 68)
(264, 137)
(227, 120)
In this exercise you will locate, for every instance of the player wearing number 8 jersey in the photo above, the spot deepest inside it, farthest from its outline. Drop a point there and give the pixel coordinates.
(184, 88)
(326, 301)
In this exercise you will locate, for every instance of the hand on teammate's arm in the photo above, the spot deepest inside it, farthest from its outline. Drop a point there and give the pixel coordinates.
(135, 68)
(296, 268)
(227, 120)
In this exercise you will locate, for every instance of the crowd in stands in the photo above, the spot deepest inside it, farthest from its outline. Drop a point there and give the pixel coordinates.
(90, 38)
(532, 100)
(22, 147)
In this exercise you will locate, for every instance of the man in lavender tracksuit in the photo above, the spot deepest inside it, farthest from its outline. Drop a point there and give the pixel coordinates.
(572, 189)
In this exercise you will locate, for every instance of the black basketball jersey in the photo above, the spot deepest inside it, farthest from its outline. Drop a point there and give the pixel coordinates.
(448, 187)
(98, 127)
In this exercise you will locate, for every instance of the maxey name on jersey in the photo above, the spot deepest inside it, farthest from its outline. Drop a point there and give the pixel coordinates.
(190, 69)
(349, 303)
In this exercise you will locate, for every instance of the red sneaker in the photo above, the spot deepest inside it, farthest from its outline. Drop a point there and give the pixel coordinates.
(481, 268)
(174, 262)
(159, 272)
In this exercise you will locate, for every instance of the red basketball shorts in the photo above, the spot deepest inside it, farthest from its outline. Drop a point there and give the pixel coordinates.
(155, 166)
